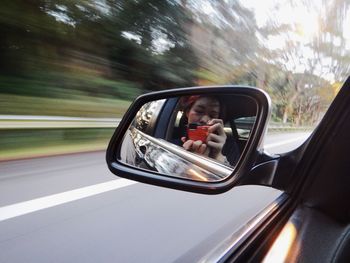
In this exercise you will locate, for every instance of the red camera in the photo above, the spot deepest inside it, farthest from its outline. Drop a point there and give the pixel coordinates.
(197, 132)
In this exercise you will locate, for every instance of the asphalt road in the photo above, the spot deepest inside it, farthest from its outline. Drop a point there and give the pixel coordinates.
(72, 209)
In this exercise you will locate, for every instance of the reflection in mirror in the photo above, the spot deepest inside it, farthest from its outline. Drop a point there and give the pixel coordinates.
(199, 137)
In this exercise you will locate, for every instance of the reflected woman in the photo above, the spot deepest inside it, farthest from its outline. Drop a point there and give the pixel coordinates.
(209, 111)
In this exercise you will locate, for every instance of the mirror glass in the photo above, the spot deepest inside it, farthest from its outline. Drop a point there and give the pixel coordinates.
(198, 137)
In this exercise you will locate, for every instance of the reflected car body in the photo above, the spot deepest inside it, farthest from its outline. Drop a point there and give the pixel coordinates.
(167, 158)
(152, 142)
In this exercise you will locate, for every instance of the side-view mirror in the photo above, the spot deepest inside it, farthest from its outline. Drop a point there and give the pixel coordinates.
(202, 139)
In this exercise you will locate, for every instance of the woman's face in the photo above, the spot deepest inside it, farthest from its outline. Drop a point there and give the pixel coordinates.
(203, 110)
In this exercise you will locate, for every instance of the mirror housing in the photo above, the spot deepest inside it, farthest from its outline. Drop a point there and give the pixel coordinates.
(244, 165)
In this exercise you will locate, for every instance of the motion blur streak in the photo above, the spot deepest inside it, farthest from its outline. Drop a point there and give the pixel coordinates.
(91, 58)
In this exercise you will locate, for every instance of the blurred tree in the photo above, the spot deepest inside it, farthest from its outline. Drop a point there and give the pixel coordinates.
(53, 43)
(224, 39)
(90, 49)
(310, 63)
(154, 49)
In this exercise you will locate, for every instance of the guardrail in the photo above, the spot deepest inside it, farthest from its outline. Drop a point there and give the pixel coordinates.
(272, 128)
(54, 122)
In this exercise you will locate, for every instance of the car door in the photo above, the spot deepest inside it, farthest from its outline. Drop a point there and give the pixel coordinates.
(313, 207)
(313, 224)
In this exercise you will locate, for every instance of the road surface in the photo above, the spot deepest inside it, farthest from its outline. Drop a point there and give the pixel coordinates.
(72, 209)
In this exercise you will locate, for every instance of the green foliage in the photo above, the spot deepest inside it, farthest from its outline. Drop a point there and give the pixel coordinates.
(21, 139)
(65, 48)
(90, 58)
(73, 54)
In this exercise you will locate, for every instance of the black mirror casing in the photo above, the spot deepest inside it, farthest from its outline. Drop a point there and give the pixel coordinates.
(243, 167)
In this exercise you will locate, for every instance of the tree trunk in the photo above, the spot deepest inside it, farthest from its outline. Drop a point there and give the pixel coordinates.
(261, 78)
(285, 116)
(298, 118)
(289, 107)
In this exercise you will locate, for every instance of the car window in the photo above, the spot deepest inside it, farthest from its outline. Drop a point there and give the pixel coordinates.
(147, 116)
(244, 126)
(240, 126)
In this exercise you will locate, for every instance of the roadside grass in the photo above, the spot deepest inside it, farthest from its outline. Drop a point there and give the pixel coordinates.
(30, 143)
(42, 151)
(19, 144)
(77, 106)
(27, 143)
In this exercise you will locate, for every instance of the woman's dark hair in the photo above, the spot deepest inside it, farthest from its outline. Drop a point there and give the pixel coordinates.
(187, 103)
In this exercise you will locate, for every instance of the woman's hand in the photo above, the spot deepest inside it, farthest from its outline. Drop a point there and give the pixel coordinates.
(214, 143)
(195, 146)
(216, 139)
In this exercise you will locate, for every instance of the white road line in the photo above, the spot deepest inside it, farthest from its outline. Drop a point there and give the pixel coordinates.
(271, 145)
(10, 211)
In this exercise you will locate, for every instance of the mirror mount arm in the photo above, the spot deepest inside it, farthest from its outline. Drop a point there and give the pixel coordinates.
(274, 170)
(263, 172)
